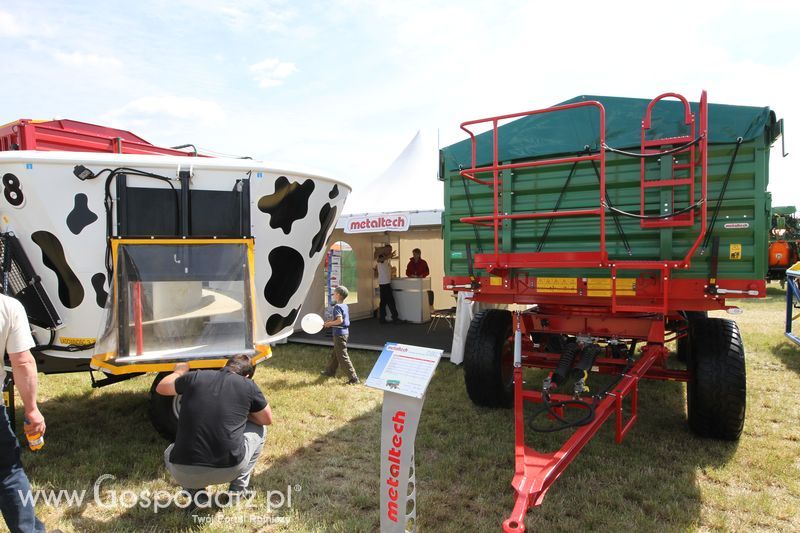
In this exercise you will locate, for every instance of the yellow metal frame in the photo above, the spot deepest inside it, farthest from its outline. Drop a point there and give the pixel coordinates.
(263, 351)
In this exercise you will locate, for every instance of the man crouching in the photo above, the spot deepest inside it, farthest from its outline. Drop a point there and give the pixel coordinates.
(220, 427)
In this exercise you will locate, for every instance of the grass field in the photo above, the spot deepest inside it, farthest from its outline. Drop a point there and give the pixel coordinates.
(325, 445)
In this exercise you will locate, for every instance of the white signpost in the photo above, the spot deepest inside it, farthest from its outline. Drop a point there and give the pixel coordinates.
(403, 372)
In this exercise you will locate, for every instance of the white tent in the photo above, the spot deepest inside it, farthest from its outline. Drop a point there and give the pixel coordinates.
(407, 189)
(408, 184)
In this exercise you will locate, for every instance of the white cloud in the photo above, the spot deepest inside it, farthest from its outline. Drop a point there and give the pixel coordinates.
(167, 120)
(17, 21)
(244, 15)
(258, 17)
(76, 58)
(272, 72)
(9, 26)
(375, 71)
(85, 59)
(169, 106)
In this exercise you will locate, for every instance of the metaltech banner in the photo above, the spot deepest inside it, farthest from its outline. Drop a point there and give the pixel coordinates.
(372, 223)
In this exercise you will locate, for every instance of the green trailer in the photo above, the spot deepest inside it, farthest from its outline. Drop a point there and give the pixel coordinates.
(618, 223)
(742, 221)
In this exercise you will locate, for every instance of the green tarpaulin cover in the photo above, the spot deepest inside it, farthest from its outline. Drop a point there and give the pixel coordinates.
(568, 132)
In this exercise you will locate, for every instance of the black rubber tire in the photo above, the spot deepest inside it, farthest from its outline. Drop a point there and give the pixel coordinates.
(717, 389)
(684, 344)
(488, 359)
(163, 410)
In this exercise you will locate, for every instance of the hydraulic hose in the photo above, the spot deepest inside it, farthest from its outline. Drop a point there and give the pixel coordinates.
(565, 363)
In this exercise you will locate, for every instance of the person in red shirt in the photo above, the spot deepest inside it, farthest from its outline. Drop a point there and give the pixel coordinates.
(417, 266)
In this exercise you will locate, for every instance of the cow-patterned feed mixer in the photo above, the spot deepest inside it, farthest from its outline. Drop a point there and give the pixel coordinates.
(129, 257)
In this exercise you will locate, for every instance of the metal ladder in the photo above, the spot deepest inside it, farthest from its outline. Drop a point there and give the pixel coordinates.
(669, 178)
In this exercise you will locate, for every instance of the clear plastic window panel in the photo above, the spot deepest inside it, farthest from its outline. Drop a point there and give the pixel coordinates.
(180, 302)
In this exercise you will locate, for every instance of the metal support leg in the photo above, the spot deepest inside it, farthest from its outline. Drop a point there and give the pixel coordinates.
(516, 523)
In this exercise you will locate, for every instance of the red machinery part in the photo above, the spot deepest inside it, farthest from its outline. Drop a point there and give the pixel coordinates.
(535, 472)
(75, 136)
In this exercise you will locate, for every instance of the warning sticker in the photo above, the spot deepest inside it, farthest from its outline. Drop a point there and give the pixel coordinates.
(568, 285)
(737, 225)
(78, 341)
(495, 281)
(602, 287)
(736, 252)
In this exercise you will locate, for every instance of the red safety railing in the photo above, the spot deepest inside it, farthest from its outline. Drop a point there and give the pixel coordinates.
(694, 144)
(495, 220)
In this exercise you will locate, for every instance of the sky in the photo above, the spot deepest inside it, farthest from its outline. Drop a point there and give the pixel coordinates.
(343, 86)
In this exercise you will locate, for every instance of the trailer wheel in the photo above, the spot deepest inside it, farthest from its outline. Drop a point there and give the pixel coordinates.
(163, 410)
(489, 359)
(684, 344)
(717, 387)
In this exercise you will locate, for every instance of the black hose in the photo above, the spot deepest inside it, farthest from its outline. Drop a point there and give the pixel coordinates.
(555, 209)
(654, 217)
(58, 348)
(614, 215)
(565, 363)
(472, 214)
(588, 357)
(549, 408)
(109, 204)
(710, 228)
(654, 154)
(591, 352)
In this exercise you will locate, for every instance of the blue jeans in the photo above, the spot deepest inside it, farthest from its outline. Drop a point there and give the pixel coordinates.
(14, 483)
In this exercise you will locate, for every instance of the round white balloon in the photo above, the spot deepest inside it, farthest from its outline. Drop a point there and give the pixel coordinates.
(312, 323)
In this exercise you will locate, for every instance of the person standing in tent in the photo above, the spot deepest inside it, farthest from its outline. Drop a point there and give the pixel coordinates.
(384, 270)
(340, 324)
(417, 266)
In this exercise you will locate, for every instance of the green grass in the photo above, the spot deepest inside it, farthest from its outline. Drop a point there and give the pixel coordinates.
(326, 441)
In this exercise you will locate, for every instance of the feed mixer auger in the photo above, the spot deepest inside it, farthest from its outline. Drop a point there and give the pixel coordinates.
(130, 257)
(617, 224)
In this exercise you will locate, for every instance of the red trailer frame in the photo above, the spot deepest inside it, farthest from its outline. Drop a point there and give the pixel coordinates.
(76, 136)
(650, 314)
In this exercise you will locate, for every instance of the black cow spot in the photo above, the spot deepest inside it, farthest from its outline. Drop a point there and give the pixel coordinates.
(80, 216)
(334, 192)
(287, 204)
(326, 217)
(98, 282)
(287, 272)
(276, 322)
(70, 290)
